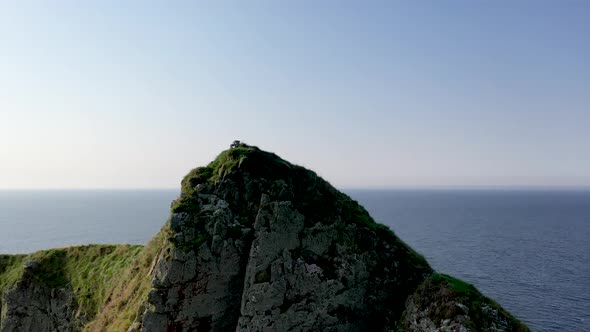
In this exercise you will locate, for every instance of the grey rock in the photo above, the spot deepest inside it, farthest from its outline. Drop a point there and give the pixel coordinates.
(36, 307)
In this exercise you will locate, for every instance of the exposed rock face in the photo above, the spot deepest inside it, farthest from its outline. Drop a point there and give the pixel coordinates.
(255, 243)
(259, 244)
(36, 307)
(198, 288)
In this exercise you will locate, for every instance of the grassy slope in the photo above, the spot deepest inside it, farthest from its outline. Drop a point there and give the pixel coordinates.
(93, 272)
(11, 267)
(89, 270)
(129, 290)
(111, 282)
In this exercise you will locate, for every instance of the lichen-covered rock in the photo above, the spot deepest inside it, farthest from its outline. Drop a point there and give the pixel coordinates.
(445, 304)
(197, 283)
(32, 306)
(276, 248)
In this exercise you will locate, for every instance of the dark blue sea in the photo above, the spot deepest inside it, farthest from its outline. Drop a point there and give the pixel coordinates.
(529, 250)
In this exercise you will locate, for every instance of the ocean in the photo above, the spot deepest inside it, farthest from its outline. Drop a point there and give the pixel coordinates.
(528, 250)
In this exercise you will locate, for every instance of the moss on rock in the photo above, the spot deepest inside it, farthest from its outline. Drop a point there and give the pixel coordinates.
(11, 268)
(442, 300)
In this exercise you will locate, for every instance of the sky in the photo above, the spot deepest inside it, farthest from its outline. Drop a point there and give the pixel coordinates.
(369, 94)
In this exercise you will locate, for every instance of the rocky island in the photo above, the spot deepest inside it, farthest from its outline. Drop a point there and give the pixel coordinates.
(253, 243)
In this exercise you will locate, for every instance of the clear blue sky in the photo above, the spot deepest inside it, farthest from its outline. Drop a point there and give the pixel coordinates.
(133, 94)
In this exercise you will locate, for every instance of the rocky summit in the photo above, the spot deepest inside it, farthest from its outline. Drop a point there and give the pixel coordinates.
(253, 243)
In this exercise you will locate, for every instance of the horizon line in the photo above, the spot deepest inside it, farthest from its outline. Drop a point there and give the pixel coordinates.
(343, 188)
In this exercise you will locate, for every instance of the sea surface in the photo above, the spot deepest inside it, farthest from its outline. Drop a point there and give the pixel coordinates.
(528, 250)
(35, 220)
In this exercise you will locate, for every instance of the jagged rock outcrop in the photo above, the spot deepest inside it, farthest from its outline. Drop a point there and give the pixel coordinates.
(255, 243)
(31, 306)
(259, 244)
(445, 304)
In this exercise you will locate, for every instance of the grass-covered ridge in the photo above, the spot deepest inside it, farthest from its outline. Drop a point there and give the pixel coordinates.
(11, 268)
(242, 157)
(110, 282)
(459, 287)
(91, 271)
(444, 292)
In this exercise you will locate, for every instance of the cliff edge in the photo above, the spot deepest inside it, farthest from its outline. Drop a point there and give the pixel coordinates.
(254, 243)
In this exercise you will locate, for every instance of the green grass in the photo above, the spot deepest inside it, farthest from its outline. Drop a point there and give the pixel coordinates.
(89, 270)
(11, 268)
(185, 203)
(226, 163)
(458, 286)
(110, 282)
(236, 160)
(92, 272)
(129, 289)
(244, 157)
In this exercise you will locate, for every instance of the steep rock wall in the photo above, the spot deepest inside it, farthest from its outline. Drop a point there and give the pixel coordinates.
(256, 243)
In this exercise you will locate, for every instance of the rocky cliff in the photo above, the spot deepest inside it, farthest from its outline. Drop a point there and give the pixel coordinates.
(254, 243)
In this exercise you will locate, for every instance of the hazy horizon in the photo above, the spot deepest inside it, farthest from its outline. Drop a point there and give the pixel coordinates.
(345, 189)
(369, 95)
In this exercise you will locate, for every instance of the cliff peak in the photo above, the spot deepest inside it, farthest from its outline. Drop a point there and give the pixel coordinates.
(255, 243)
(239, 158)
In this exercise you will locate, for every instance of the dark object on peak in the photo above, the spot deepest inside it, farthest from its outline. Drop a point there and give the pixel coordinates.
(236, 144)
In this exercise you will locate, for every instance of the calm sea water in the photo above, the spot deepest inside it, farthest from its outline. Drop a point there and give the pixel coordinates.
(529, 250)
(35, 220)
